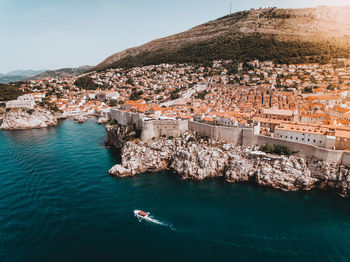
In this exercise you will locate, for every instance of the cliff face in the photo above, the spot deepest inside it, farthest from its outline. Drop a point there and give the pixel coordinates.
(17, 119)
(199, 160)
(118, 135)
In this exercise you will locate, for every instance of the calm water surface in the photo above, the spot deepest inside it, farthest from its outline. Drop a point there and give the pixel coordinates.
(58, 203)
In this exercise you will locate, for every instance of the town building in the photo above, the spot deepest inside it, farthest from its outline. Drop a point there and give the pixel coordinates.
(25, 101)
(305, 133)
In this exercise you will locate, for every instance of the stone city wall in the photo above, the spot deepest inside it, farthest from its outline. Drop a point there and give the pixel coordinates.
(157, 128)
(346, 158)
(232, 135)
(201, 129)
(149, 128)
(126, 118)
(332, 156)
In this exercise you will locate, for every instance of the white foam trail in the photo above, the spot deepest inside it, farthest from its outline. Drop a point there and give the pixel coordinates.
(155, 221)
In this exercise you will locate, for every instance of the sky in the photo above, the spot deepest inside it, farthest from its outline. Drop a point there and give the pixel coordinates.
(53, 34)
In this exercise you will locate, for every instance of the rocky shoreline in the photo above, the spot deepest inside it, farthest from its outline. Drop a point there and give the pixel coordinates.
(198, 159)
(21, 119)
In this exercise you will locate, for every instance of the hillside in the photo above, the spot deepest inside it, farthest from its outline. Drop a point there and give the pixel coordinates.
(63, 73)
(19, 75)
(27, 73)
(9, 92)
(284, 35)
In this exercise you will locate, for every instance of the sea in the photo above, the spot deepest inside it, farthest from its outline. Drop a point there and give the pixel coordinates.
(58, 203)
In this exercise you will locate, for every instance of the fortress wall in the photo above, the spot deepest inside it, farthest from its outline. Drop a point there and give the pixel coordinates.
(248, 137)
(156, 128)
(117, 116)
(228, 134)
(346, 158)
(150, 128)
(183, 125)
(147, 130)
(232, 135)
(126, 118)
(332, 156)
(236, 136)
(201, 129)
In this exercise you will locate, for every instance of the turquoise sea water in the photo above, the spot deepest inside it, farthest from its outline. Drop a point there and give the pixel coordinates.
(58, 203)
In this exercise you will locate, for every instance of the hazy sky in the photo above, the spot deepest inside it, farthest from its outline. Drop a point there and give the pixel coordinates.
(51, 34)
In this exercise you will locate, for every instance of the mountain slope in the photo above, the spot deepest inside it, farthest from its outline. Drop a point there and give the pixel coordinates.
(63, 73)
(284, 35)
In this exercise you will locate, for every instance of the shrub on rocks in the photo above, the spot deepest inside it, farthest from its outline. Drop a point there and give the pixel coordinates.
(277, 150)
(190, 139)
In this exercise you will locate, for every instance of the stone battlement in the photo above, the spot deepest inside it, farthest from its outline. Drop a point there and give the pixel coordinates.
(237, 136)
(149, 127)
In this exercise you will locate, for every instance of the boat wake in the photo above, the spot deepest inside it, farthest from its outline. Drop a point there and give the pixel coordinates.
(150, 219)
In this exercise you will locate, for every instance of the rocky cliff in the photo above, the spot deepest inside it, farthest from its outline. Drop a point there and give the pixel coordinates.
(17, 119)
(118, 135)
(199, 159)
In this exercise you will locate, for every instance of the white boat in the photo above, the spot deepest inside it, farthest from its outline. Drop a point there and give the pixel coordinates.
(141, 214)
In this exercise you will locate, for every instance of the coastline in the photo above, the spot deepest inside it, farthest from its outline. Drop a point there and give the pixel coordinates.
(24, 119)
(196, 158)
(63, 181)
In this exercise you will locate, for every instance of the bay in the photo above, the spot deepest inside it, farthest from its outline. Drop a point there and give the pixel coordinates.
(58, 203)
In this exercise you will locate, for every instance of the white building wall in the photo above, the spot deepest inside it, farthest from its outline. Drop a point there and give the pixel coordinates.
(25, 101)
(307, 138)
(225, 121)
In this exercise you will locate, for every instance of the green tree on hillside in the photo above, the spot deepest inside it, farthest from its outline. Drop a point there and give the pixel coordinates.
(86, 82)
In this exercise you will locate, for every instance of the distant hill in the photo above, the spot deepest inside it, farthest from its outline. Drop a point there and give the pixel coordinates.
(63, 73)
(27, 73)
(19, 75)
(283, 35)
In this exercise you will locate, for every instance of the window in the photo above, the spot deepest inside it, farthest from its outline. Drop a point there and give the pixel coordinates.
(314, 140)
(308, 139)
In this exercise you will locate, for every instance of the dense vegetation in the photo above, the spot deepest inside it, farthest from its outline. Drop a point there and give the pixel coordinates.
(86, 82)
(201, 95)
(136, 95)
(240, 49)
(274, 13)
(9, 92)
(277, 150)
